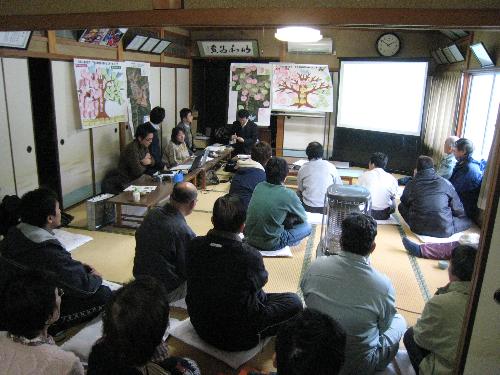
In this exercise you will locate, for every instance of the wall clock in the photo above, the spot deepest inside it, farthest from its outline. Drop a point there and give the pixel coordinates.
(388, 44)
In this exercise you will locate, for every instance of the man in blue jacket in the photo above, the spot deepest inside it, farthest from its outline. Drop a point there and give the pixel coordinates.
(467, 176)
(32, 245)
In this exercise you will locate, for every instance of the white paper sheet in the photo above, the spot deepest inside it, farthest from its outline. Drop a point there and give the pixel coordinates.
(71, 241)
(423, 238)
(390, 221)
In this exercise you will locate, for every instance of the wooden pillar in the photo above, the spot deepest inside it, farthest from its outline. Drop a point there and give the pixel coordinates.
(52, 43)
(280, 134)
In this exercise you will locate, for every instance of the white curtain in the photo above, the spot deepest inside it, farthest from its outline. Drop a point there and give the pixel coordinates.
(493, 159)
(441, 112)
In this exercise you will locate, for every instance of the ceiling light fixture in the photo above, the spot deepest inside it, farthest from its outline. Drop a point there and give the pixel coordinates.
(298, 34)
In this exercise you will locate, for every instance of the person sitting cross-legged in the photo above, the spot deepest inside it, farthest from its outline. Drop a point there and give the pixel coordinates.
(314, 178)
(250, 172)
(347, 288)
(133, 326)
(275, 216)
(32, 245)
(432, 343)
(430, 205)
(31, 303)
(225, 277)
(382, 186)
(162, 239)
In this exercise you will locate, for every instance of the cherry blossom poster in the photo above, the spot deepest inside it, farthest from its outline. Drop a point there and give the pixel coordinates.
(249, 88)
(101, 92)
(301, 88)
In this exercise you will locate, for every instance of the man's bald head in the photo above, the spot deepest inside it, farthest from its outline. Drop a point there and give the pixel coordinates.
(184, 193)
(449, 144)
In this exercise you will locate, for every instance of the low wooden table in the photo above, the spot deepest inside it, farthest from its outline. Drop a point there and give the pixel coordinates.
(346, 174)
(160, 194)
(162, 191)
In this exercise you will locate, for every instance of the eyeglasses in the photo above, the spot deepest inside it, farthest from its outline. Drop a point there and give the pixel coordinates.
(60, 292)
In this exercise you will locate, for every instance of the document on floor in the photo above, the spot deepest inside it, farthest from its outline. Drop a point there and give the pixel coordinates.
(69, 240)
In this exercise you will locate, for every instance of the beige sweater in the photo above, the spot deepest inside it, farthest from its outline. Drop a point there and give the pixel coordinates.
(45, 359)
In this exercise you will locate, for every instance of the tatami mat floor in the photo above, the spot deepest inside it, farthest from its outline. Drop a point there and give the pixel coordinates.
(112, 254)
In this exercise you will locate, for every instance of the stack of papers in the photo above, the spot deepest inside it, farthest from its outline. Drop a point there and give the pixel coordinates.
(100, 197)
(141, 189)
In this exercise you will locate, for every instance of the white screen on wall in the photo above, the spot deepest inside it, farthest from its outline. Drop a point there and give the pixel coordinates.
(383, 96)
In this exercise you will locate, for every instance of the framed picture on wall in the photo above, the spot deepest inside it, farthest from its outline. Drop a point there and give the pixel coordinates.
(15, 39)
(228, 48)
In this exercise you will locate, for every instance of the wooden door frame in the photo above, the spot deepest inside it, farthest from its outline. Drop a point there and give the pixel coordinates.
(483, 251)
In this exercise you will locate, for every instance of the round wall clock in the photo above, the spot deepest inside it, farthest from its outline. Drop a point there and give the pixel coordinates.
(388, 44)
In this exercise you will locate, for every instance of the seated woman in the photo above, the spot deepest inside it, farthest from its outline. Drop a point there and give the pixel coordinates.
(176, 151)
(30, 305)
(134, 323)
(275, 217)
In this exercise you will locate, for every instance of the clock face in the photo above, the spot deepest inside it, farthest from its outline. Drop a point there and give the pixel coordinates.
(388, 44)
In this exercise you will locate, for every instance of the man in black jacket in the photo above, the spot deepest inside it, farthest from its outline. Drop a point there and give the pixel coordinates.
(430, 205)
(244, 133)
(225, 277)
(162, 239)
(31, 245)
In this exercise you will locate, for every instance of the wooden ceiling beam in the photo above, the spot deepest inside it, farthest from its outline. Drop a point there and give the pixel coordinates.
(271, 17)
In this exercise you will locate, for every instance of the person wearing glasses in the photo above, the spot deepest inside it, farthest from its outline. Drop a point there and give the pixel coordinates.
(31, 304)
(31, 246)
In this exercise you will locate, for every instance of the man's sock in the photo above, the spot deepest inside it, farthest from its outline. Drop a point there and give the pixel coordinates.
(412, 247)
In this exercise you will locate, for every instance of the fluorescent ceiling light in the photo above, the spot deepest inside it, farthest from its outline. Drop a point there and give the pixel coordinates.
(298, 34)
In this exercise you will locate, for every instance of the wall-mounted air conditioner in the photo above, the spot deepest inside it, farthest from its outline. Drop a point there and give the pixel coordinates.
(323, 46)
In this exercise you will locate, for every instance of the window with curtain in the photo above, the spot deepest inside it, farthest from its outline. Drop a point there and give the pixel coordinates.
(481, 112)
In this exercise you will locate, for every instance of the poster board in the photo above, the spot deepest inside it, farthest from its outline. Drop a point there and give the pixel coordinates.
(250, 89)
(101, 92)
(138, 74)
(301, 88)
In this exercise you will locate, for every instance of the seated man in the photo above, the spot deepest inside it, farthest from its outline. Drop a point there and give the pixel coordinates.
(275, 217)
(310, 343)
(314, 178)
(162, 239)
(383, 187)
(243, 133)
(185, 124)
(446, 164)
(31, 245)
(433, 342)
(448, 160)
(467, 176)
(225, 277)
(250, 172)
(156, 117)
(135, 160)
(346, 287)
(430, 204)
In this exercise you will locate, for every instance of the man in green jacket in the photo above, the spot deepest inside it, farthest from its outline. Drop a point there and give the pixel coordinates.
(432, 343)
(275, 216)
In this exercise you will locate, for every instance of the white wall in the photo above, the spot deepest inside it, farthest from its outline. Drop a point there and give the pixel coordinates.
(7, 183)
(74, 154)
(15, 112)
(167, 99)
